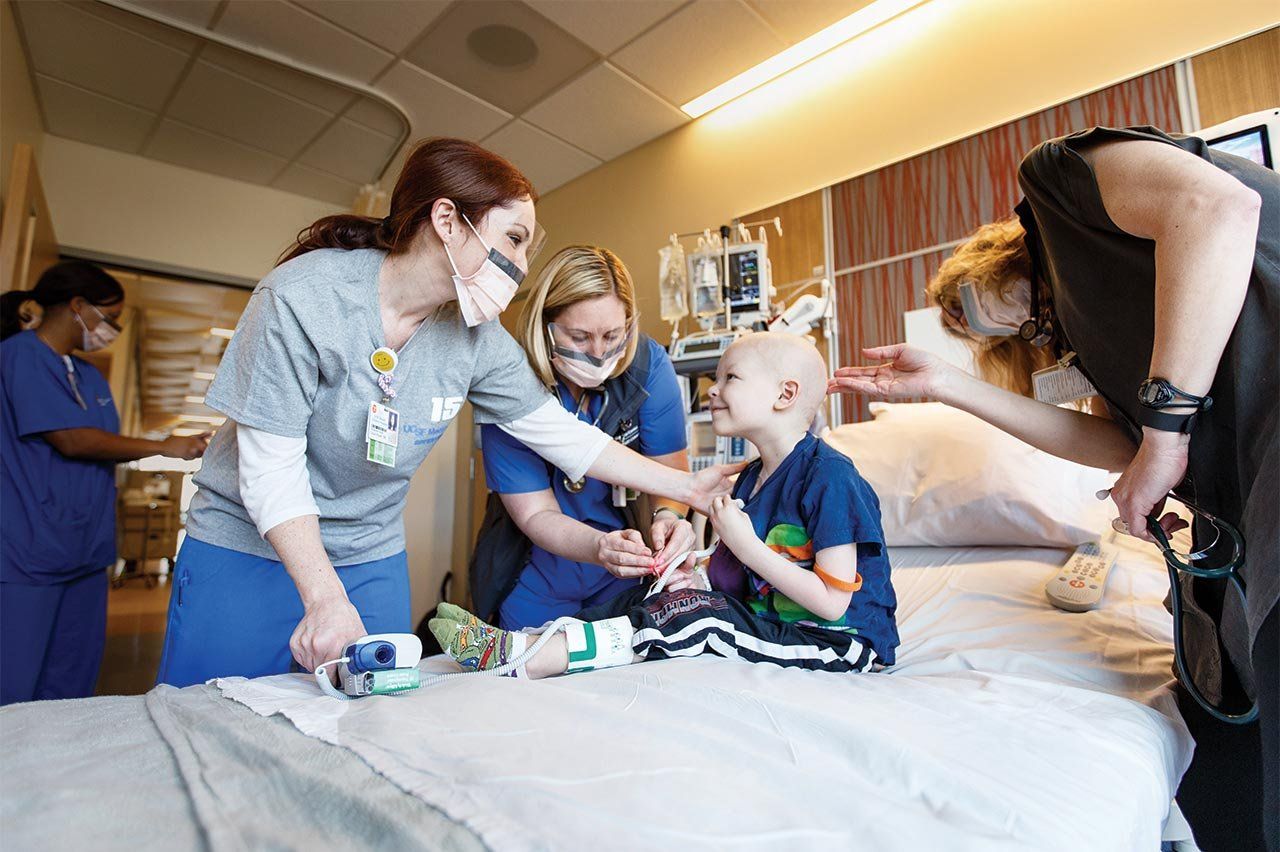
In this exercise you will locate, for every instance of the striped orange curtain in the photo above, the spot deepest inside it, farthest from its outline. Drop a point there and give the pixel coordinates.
(941, 196)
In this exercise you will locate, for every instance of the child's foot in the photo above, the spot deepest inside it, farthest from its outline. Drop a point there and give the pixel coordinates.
(472, 643)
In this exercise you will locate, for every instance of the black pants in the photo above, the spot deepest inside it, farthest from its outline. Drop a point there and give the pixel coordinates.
(687, 622)
(1231, 793)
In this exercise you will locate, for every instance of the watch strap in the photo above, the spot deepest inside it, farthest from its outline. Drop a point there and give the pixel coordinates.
(1167, 422)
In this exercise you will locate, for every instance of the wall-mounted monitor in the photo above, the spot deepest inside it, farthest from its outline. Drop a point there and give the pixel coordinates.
(1255, 136)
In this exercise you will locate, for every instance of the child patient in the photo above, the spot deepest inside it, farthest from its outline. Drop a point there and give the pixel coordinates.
(801, 576)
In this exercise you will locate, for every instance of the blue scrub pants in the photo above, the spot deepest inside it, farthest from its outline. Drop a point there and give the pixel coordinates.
(52, 638)
(535, 600)
(232, 613)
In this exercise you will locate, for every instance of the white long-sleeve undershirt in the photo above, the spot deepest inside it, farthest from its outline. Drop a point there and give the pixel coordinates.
(275, 486)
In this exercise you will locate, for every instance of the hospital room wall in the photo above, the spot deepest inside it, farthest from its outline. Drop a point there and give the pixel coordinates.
(20, 119)
(910, 86)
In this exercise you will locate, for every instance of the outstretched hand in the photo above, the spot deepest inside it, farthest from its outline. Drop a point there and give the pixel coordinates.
(909, 372)
(711, 482)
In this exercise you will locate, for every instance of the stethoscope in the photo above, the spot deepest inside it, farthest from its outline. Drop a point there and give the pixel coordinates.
(576, 486)
(1193, 564)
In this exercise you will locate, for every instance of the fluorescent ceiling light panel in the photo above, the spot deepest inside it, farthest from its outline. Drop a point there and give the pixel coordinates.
(815, 45)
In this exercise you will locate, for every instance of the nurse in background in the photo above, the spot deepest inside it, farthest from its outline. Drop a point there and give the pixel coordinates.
(58, 451)
(579, 332)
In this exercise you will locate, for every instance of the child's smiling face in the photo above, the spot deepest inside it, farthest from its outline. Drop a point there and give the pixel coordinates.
(741, 400)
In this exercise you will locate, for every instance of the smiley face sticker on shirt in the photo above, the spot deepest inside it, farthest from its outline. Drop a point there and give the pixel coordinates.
(383, 360)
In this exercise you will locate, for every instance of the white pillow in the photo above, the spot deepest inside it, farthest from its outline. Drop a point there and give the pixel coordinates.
(946, 478)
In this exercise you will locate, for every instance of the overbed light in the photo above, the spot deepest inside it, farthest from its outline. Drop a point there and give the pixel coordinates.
(817, 44)
(222, 332)
(204, 377)
(198, 400)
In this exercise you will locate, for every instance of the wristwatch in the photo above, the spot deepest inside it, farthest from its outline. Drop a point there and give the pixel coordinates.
(1156, 394)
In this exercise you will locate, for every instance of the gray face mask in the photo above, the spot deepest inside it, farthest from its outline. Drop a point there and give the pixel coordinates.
(993, 316)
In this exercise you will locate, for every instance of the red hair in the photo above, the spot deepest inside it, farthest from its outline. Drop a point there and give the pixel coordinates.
(474, 179)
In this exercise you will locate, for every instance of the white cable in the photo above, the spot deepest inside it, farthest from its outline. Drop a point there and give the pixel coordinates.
(322, 678)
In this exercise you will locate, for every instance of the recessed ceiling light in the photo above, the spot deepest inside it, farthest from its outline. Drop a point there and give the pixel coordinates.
(871, 15)
(506, 47)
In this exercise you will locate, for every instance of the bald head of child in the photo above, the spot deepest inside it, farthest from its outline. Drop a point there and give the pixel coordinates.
(767, 383)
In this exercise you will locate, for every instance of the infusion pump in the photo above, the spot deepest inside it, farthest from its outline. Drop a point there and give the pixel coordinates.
(706, 448)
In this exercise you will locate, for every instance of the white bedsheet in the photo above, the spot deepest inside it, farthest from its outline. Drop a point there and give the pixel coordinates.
(1006, 725)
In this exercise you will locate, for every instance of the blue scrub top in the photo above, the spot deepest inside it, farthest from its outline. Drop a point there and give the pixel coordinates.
(59, 516)
(512, 468)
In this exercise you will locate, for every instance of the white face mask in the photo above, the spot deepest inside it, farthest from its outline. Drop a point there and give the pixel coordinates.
(581, 368)
(993, 316)
(485, 294)
(100, 337)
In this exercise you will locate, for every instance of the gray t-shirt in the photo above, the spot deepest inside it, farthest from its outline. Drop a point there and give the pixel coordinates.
(298, 365)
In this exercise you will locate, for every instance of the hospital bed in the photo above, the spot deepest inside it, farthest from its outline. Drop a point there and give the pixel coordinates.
(1007, 724)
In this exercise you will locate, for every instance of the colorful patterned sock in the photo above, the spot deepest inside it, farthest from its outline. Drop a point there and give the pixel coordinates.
(472, 643)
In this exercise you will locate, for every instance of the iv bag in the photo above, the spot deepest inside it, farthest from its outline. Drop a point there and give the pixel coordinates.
(705, 284)
(673, 283)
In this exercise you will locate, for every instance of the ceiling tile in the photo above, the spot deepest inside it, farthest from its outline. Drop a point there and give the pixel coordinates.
(437, 108)
(605, 25)
(545, 160)
(449, 52)
(351, 151)
(186, 146)
(232, 106)
(796, 20)
(605, 113)
(379, 116)
(387, 23)
(140, 24)
(77, 114)
(677, 59)
(195, 12)
(328, 96)
(301, 180)
(298, 34)
(83, 49)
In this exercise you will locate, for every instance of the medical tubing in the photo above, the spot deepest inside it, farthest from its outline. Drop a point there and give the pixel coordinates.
(322, 679)
(661, 582)
(1175, 600)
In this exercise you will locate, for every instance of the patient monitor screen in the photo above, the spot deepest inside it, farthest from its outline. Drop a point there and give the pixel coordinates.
(1252, 144)
(744, 278)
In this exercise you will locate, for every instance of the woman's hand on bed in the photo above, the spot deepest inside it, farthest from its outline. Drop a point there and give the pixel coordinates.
(623, 554)
(671, 536)
(909, 372)
(325, 630)
(1158, 468)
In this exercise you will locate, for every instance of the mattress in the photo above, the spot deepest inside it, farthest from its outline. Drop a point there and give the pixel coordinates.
(1006, 724)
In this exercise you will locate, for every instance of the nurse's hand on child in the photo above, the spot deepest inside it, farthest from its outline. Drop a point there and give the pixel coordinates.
(711, 482)
(909, 372)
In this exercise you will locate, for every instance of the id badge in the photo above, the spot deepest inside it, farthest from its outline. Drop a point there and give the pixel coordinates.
(381, 434)
(1062, 382)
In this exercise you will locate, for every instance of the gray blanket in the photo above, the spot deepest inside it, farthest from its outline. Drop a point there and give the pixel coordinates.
(188, 769)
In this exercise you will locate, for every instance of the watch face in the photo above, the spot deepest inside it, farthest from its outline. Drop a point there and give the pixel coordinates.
(1152, 393)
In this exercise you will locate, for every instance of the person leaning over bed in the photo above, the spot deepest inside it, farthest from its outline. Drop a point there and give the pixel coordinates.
(295, 540)
(578, 329)
(1156, 257)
